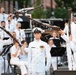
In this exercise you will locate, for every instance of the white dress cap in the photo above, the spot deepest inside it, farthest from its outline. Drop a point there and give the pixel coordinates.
(37, 29)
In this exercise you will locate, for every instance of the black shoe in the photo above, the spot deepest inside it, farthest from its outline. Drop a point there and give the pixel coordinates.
(52, 72)
(60, 64)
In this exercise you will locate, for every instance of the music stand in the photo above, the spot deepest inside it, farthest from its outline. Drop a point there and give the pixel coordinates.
(57, 52)
(56, 42)
(25, 24)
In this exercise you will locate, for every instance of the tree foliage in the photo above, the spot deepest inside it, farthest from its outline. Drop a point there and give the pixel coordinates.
(22, 3)
(61, 11)
(39, 12)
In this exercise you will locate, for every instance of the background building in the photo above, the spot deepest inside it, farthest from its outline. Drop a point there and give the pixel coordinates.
(7, 4)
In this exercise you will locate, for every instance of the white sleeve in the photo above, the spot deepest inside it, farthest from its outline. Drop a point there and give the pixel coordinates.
(29, 58)
(18, 53)
(74, 40)
(65, 29)
(7, 42)
(65, 37)
(73, 46)
(48, 55)
(23, 34)
(26, 50)
(12, 50)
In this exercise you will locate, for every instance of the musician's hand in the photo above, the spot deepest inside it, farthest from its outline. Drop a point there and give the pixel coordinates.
(70, 37)
(18, 47)
(61, 32)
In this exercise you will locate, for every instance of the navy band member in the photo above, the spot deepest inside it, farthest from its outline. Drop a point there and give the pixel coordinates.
(15, 52)
(20, 34)
(53, 60)
(70, 43)
(2, 43)
(38, 50)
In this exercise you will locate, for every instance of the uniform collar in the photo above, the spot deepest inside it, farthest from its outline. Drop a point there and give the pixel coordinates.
(72, 23)
(37, 40)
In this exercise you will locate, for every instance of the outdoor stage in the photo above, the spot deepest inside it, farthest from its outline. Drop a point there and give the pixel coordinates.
(63, 70)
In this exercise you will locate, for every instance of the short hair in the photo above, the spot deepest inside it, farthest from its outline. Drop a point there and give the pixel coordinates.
(50, 40)
(2, 21)
(18, 24)
(23, 41)
(14, 41)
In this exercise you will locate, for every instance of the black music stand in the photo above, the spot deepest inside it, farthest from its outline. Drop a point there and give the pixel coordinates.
(57, 52)
(25, 24)
(56, 42)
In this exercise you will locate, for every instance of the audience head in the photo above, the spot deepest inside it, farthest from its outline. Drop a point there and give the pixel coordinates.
(50, 42)
(2, 10)
(24, 43)
(3, 24)
(54, 34)
(18, 25)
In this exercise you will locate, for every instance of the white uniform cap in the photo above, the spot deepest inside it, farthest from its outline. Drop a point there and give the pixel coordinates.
(37, 30)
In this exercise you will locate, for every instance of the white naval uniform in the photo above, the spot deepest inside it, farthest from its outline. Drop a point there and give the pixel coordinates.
(73, 43)
(53, 60)
(69, 52)
(70, 44)
(3, 17)
(2, 43)
(10, 27)
(24, 56)
(17, 20)
(16, 60)
(38, 50)
(3, 34)
(20, 34)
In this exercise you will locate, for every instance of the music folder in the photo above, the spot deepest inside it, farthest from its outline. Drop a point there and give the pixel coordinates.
(56, 42)
(57, 51)
(25, 24)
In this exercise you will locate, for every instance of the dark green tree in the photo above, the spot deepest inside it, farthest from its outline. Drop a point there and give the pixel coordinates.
(48, 12)
(39, 12)
(23, 3)
(61, 11)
